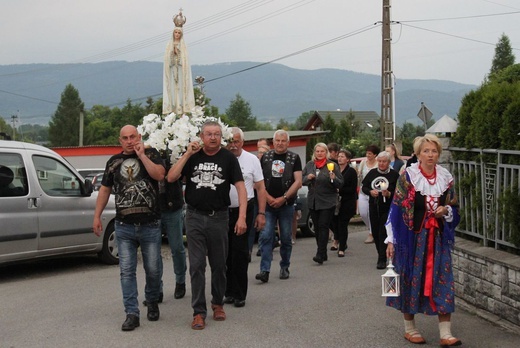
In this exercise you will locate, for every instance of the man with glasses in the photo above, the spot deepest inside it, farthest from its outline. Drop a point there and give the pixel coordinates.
(209, 170)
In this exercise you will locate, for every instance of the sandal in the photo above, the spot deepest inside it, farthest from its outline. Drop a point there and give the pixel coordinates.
(415, 337)
(341, 253)
(218, 313)
(198, 322)
(334, 246)
(450, 342)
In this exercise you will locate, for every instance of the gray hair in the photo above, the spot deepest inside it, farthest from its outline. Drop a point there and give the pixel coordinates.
(210, 123)
(236, 130)
(282, 132)
(384, 154)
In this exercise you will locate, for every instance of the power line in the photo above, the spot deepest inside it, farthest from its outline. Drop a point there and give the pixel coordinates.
(203, 23)
(254, 4)
(356, 32)
(29, 97)
(451, 35)
(233, 12)
(458, 18)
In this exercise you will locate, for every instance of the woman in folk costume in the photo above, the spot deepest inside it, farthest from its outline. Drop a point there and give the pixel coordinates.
(178, 96)
(421, 227)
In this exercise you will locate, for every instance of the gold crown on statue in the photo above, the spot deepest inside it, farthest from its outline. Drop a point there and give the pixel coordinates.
(179, 19)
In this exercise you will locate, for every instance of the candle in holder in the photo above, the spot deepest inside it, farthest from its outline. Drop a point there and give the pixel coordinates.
(330, 167)
(383, 186)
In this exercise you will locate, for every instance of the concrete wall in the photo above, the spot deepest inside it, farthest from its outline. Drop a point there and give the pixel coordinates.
(487, 282)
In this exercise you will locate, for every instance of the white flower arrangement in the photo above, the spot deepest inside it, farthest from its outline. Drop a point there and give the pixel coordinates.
(174, 132)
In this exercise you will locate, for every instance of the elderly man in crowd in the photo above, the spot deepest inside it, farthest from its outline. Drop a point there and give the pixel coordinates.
(210, 170)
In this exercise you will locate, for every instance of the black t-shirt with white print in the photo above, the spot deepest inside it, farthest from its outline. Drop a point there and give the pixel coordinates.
(136, 193)
(276, 187)
(208, 179)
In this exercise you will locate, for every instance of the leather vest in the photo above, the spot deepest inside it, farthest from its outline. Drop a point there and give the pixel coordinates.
(287, 176)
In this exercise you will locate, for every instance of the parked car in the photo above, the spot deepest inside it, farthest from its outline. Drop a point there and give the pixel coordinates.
(47, 208)
(305, 223)
(90, 171)
(95, 179)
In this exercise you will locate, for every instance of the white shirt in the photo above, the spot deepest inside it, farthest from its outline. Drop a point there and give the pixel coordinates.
(252, 173)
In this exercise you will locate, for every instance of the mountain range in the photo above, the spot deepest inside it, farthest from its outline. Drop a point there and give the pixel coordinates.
(274, 91)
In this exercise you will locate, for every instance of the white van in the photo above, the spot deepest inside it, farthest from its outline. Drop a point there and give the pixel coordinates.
(47, 208)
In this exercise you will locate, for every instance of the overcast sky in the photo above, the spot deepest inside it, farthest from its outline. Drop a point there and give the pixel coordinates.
(437, 39)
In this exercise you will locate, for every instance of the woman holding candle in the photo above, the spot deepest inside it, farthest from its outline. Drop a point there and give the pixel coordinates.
(324, 179)
(379, 185)
(420, 228)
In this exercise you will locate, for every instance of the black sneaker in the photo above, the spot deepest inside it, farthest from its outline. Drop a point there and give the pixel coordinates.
(263, 276)
(153, 311)
(180, 290)
(284, 273)
(131, 322)
(239, 303)
(229, 299)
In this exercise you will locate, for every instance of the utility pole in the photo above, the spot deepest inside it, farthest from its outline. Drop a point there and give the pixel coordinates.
(387, 86)
(81, 120)
(14, 121)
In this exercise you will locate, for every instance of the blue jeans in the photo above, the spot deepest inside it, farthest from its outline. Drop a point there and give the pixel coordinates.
(129, 238)
(171, 223)
(284, 217)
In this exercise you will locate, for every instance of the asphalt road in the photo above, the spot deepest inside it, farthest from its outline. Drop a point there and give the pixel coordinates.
(76, 302)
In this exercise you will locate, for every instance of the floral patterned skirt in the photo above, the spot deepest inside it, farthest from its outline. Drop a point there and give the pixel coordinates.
(412, 299)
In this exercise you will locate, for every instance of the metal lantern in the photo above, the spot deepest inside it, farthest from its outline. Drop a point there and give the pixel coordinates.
(390, 282)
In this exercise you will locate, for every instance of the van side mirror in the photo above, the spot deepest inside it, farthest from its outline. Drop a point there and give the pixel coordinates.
(88, 188)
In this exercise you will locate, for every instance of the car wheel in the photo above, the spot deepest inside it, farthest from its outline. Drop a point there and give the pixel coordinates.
(109, 253)
(308, 229)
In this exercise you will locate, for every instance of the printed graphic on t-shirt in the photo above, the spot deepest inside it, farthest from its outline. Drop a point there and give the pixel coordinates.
(129, 169)
(278, 168)
(380, 183)
(207, 175)
(135, 193)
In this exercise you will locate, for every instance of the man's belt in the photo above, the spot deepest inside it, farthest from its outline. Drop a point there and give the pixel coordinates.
(206, 212)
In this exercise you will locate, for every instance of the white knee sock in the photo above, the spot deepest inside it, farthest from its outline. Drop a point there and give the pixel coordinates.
(409, 327)
(445, 329)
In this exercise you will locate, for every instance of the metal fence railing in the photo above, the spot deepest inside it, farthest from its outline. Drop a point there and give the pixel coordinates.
(488, 187)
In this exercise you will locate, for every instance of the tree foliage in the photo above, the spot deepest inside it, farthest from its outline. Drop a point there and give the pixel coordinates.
(488, 117)
(503, 55)
(302, 120)
(239, 114)
(406, 135)
(5, 128)
(64, 125)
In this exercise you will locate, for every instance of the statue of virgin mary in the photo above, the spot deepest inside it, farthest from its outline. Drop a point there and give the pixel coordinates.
(178, 96)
